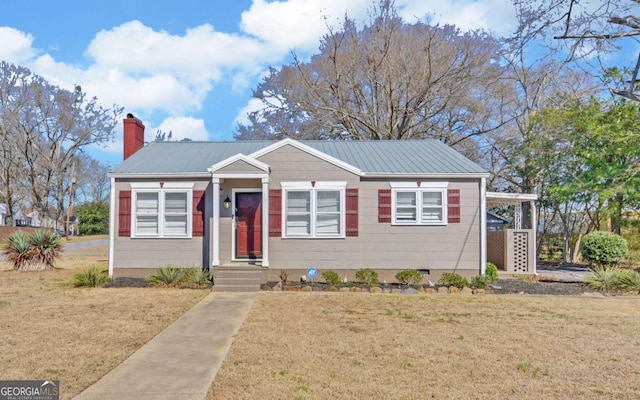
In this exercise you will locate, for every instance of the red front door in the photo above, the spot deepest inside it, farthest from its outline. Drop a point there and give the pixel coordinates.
(248, 225)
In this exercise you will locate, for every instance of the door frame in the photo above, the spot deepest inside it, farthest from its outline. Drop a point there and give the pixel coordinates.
(233, 221)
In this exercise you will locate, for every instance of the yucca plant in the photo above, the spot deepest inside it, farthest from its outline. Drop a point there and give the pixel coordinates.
(196, 276)
(629, 281)
(16, 250)
(46, 248)
(602, 278)
(91, 276)
(168, 276)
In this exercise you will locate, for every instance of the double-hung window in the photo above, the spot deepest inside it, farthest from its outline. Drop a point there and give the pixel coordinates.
(161, 212)
(314, 210)
(423, 205)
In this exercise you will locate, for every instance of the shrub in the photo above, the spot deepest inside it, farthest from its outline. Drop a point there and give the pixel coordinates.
(602, 278)
(35, 252)
(91, 276)
(46, 247)
(168, 276)
(453, 279)
(331, 277)
(16, 249)
(367, 276)
(93, 218)
(480, 281)
(409, 277)
(604, 248)
(196, 276)
(629, 281)
(491, 273)
(284, 276)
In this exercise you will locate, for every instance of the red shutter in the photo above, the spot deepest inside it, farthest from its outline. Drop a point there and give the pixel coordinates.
(275, 212)
(384, 205)
(198, 210)
(124, 213)
(352, 212)
(453, 206)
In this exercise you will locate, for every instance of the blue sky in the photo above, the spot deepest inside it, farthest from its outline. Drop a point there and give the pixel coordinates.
(189, 66)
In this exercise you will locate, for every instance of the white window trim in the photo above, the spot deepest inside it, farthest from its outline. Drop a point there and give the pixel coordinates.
(412, 187)
(169, 187)
(340, 186)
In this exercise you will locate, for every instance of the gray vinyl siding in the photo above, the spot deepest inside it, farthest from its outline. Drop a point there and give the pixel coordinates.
(291, 164)
(239, 166)
(385, 246)
(153, 253)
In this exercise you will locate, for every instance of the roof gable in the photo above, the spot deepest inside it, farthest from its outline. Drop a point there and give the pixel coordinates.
(240, 159)
(310, 150)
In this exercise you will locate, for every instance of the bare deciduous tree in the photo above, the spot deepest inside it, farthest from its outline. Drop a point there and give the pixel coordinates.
(386, 80)
(43, 129)
(590, 27)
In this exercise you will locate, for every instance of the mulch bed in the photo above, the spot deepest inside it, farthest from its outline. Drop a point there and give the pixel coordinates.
(503, 286)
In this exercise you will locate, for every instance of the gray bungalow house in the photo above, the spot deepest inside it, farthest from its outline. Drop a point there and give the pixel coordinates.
(268, 206)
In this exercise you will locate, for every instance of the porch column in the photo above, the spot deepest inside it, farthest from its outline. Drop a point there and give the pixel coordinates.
(265, 222)
(483, 226)
(534, 227)
(215, 251)
(112, 224)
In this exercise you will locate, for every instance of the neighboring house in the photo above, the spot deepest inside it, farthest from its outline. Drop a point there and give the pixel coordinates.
(290, 205)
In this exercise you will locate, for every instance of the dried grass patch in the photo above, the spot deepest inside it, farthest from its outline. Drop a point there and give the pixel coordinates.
(52, 331)
(319, 346)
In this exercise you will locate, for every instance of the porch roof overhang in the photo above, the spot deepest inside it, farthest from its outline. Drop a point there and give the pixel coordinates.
(499, 199)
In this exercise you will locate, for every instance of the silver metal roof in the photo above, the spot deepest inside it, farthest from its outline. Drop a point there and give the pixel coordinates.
(372, 157)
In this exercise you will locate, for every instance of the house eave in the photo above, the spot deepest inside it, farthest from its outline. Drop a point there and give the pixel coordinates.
(185, 175)
(425, 176)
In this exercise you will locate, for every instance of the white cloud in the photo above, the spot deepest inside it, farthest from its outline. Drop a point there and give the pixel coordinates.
(491, 15)
(297, 24)
(16, 46)
(242, 117)
(180, 128)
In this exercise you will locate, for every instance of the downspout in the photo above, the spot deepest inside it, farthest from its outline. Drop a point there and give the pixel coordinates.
(483, 226)
(112, 224)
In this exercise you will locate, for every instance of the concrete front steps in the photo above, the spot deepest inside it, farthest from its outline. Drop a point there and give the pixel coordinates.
(237, 279)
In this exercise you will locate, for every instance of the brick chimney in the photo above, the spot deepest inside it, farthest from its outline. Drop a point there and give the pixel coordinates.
(133, 135)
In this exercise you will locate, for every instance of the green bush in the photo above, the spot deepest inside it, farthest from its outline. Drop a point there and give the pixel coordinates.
(331, 277)
(168, 276)
(93, 218)
(409, 277)
(602, 278)
(480, 281)
(604, 248)
(453, 279)
(491, 273)
(367, 276)
(91, 276)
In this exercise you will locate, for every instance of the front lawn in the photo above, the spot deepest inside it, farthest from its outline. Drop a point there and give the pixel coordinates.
(52, 331)
(364, 346)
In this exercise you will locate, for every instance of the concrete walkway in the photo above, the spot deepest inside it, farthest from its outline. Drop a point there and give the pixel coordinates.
(563, 273)
(181, 361)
